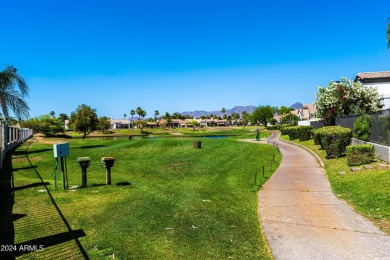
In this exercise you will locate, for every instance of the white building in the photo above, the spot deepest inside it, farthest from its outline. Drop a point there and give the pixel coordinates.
(380, 80)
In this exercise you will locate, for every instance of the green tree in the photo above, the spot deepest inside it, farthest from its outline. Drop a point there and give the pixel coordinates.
(132, 113)
(362, 128)
(62, 117)
(156, 113)
(244, 119)
(138, 110)
(104, 124)
(388, 34)
(85, 120)
(45, 124)
(52, 113)
(345, 98)
(11, 98)
(262, 114)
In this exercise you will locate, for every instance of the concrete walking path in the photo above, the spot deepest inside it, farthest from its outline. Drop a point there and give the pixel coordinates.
(303, 219)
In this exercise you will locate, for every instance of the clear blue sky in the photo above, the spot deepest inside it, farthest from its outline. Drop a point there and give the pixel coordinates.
(185, 55)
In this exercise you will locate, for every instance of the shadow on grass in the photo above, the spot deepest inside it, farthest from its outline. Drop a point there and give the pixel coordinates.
(24, 168)
(7, 218)
(89, 146)
(125, 183)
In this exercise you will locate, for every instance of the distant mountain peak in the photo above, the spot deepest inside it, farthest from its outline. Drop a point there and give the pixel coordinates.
(297, 105)
(236, 109)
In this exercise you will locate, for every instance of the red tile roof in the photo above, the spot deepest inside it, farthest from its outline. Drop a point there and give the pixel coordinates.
(373, 75)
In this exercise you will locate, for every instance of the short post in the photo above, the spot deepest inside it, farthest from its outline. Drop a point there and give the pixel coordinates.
(254, 182)
(108, 162)
(270, 166)
(263, 171)
(198, 144)
(84, 164)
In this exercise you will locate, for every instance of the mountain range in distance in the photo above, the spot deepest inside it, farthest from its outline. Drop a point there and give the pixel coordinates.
(236, 109)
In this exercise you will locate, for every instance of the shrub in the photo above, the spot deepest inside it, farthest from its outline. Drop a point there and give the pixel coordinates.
(362, 128)
(305, 133)
(272, 127)
(284, 129)
(360, 154)
(317, 136)
(292, 132)
(334, 140)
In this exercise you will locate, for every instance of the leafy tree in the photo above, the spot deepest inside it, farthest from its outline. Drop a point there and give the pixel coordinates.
(62, 117)
(262, 114)
(104, 124)
(52, 113)
(245, 119)
(283, 110)
(143, 113)
(85, 120)
(343, 99)
(45, 124)
(124, 116)
(10, 98)
(388, 35)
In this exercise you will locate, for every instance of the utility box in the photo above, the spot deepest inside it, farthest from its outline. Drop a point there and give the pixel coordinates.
(61, 150)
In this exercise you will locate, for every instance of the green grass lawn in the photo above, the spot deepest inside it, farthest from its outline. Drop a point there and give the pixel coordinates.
(368, 191)
(182, 202)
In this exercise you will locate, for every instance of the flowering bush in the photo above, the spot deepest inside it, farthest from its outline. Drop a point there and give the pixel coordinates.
(345, 98)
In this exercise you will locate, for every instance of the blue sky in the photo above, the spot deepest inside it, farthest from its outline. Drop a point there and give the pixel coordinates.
(177, 56)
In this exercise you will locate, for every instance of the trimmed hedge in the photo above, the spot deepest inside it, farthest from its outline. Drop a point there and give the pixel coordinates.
(360, 154)
(305, 133)
(333, 139)
(272, 127)
(291, 131)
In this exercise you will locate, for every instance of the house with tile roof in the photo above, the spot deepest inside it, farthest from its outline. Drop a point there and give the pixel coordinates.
(380, 80)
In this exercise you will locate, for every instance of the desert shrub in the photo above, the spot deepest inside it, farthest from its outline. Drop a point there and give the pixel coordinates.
(333, 139)
(362, 128)
(305, 133)
(360, 154)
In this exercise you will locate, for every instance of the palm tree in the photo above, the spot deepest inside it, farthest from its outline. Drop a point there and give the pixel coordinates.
(139, 112)
(11, 99)
(156, 113)
(132, 113)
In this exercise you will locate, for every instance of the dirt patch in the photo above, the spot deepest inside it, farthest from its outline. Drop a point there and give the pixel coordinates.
(43, 140)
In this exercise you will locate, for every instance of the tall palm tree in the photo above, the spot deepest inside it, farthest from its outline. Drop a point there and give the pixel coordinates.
(10, 98)
(132, 113)
(156, 113)
(139, 112)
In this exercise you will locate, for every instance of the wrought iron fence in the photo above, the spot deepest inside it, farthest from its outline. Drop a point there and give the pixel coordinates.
(380, 129)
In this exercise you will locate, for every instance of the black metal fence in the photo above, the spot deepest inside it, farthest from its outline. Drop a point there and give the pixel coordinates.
(380, 130)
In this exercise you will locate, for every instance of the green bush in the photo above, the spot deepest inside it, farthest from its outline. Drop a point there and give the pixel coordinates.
(317, 136)
(292, 132)
(334, 140)
(284, 129)
(305, 133)
(360, 154)
(272, 127)
(362, 128)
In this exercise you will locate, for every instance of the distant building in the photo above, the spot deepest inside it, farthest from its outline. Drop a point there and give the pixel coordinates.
(380, 80)
(119, 124)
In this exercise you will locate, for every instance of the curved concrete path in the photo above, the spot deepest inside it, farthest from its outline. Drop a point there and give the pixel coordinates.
(303, 219)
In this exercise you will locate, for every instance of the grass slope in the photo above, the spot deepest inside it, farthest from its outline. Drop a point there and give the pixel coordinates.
(182, 202)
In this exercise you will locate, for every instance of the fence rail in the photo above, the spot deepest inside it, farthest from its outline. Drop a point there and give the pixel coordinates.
(10, 137)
